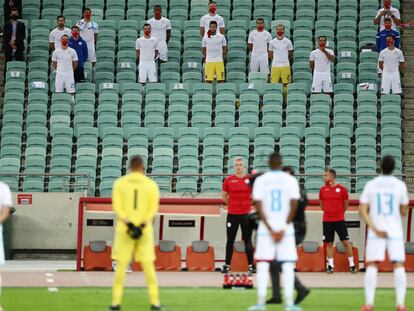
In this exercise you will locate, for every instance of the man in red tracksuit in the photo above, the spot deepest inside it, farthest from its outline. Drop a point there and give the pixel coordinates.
(334, 201)
(236, 195)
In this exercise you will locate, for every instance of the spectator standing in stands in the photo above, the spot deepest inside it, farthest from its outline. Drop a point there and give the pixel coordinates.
(320, 63)
(57, 33)
(211, 16)
(161, 30)
(65, 61)
(13, 37)
(391, 62)
(10, 4)
(280, 52)
(383, 34)
(81, 48)
(334, 201)
(390, 12)
(89, 32)
(147, 51)
(214, 48)
(236, 194)
(258, 44)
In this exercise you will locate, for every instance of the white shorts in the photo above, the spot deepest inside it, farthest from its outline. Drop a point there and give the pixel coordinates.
(391, 81)
(268, 250)
(91, 53)
(376, 248)
(163, 50)
(147, 71)
(65, 83)
(322, 83)
(259, 64)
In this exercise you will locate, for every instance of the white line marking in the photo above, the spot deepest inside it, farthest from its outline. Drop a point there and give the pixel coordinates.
(49, 275)
(50, 280)
(53, 289)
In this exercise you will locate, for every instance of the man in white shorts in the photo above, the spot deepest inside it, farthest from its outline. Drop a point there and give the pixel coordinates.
(382, 203)
(391, 62)
(147, 50)
(211, 16)
(320, 63)
(89, 32)
(57, 33)
(65, 61)
(161, 30)
(275, 196)
(5, 207)
(258, 43)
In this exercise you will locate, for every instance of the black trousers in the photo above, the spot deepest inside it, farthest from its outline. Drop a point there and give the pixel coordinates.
(18, 54)
(233, 222)
(79, 74)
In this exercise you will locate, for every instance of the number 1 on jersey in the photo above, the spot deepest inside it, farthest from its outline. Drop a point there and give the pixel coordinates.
(276, 200)
(385, 203)
(135, 199)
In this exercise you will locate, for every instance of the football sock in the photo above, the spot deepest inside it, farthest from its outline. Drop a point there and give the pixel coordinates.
(331, 262)
(288, 281)
(152, 282)
(351, 261)
(400, 283)
(370, 284)
(262, 281)
(119, 281)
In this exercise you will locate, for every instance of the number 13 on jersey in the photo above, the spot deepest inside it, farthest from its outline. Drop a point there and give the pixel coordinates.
(385, 203)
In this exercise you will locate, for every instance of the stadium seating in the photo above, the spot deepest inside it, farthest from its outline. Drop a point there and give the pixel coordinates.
(341, 258)
(409, 256)
(97, 256)
(200, 257)
(239, 260)
(311, 257)
(168, 256)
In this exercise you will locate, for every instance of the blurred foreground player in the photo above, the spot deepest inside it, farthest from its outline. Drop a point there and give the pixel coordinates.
(383, 202)
(135, 200)
(5, 208)
(276, 195)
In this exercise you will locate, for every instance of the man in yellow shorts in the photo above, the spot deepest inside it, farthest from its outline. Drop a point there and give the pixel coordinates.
(280, 52)
(135, 200)
(214, 47)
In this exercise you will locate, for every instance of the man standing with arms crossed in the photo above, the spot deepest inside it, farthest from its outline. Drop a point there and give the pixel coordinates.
(258, 43)
(334, 201)
(384, 201)
(161, 30)
(89, 32)
(135, 201)
(236, 195)
(211, 16)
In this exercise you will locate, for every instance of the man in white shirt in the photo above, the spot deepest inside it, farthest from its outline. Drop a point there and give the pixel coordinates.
(147, 51)
(65, 61)
(391, 62)
(214, 49)
(5, 208)
(57, 33)
(211, 16)
(89, 32)
(161, 30)
(382, 203)
(280, 52)
(275, 196)
(258, 43)
(388, 11)
(320, 63)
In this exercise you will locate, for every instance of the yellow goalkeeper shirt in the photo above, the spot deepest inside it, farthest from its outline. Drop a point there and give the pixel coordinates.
(135, 197)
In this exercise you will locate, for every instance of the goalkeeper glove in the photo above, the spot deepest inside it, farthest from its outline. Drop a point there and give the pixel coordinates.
(135, 232)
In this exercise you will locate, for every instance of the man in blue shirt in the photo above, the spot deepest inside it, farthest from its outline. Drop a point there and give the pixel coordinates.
(388, 31)
(81, 48)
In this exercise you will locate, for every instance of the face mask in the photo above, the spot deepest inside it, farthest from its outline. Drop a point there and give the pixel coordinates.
(65, 42)
(87, 15)
(387, 27)
(280, 33)
(210, 33)
(157, 15)
(13, 17)
(213, 10)
(260, 27)
(322, 44)
(75, 34)
(387, 6)
(147, 32)
(389, 43)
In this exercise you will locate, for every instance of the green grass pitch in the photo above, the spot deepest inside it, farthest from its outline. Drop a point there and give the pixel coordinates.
(183, 299)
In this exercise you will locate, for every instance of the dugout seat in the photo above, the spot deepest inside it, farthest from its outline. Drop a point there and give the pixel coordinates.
(341, 258)
(409, 256)
(97, 256)
(239, 260)
(311, 257)
(168, 256)
(200, 257)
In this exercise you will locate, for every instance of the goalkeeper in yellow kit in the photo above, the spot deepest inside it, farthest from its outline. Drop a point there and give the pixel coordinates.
(135, 199)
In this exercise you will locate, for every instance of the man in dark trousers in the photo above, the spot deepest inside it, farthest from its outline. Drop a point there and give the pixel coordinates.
(236, 195)
(81, 48)
(13, 37)
(299, 223)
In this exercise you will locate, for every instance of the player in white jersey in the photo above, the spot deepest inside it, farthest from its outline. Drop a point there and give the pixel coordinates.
(320, 63)
(89, 32)
(391, 62)
(275, 196)
(65, 61)
(57, 33)
(5, 207)
(161, 30)
(211, 16)
(382, 203)
(214, 50)
(147, 51)
(258, 43)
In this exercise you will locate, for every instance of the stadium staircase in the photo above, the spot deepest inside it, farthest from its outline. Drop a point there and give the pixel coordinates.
(407, 40)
